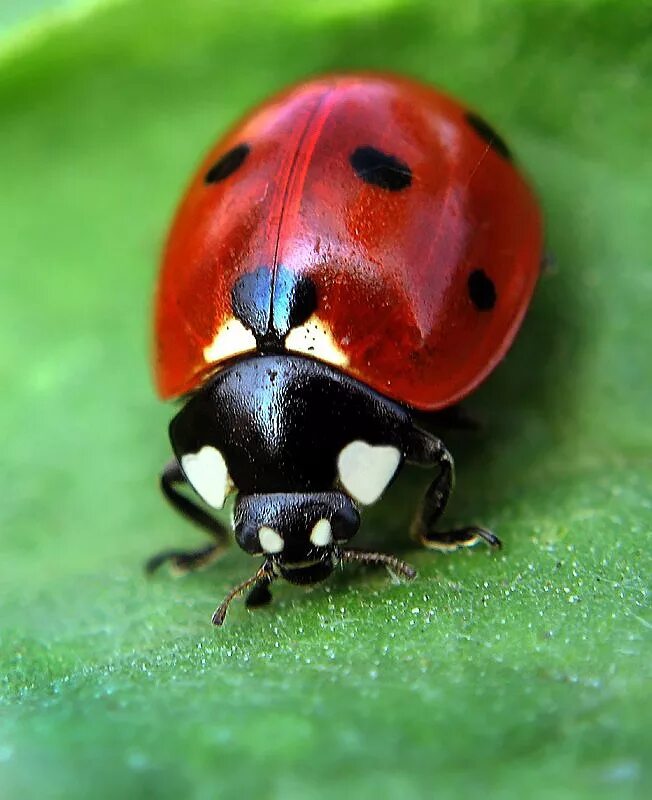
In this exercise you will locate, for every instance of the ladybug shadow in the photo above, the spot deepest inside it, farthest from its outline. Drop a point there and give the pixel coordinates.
(523, 415)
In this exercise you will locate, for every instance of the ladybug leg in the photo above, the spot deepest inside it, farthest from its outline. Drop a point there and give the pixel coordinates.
(427, 450)
(183, 561)
(447, 541)
(259, 596)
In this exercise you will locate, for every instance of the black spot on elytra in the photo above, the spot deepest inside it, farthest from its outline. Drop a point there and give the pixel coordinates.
(481, 290)
(486, 132)
(228, 164)
(295, 298)
(271, 318)
(380, 169)
(251, 300)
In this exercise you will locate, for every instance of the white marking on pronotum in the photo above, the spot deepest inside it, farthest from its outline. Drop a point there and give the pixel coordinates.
(231, 339)
(208, 475)
(321, 533)
(314, 338)
(269, 540)
(365, 469)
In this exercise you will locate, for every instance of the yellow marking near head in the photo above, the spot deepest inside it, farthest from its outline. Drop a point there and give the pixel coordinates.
(314, 338)
(231, 340)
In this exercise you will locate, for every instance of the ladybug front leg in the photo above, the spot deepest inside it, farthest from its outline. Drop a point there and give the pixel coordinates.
(181, 560)
(427, 450)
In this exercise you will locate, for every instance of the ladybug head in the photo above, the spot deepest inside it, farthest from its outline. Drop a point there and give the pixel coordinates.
(303, 537)
(299, 533)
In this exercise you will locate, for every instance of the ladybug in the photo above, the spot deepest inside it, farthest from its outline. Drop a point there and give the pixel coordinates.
(357, 250)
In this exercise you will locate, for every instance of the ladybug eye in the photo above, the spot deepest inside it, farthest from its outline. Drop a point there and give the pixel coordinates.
(228, 164)
(380, 169)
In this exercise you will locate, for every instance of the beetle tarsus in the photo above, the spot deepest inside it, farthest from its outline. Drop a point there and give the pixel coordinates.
(183, 561)
(460, 537)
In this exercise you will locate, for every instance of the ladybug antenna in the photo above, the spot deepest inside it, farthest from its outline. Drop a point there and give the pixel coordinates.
(263, 577)
(394, 565)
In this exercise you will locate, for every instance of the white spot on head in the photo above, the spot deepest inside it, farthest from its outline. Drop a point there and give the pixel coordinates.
(208, 475)
(314, 338)
(321, 534)
(231, 339)
(269, 540)
(365, 470)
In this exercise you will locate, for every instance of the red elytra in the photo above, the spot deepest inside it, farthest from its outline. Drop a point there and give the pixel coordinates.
(420, 288)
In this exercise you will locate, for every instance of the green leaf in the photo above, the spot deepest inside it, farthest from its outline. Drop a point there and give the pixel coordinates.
(525, 673)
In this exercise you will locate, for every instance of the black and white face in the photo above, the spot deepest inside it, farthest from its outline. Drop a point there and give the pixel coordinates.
(303, 446)
(298, 533)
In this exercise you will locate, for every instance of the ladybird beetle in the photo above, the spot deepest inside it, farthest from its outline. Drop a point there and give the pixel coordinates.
(358, 249)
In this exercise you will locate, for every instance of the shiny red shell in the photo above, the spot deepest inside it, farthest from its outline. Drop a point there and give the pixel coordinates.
(393, 269)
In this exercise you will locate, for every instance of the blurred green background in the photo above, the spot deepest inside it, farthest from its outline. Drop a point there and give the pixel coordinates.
(16, 16)
(522, 673)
